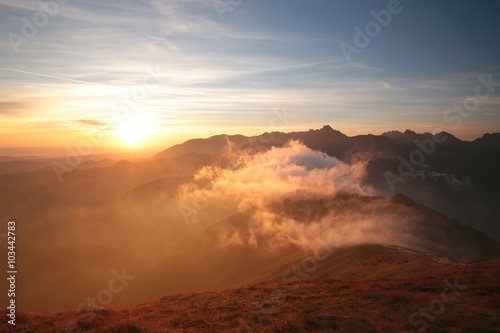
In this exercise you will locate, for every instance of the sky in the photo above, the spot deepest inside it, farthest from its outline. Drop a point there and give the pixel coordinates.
(151, 73)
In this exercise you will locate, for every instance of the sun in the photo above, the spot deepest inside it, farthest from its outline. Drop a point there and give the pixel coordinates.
(133, 130)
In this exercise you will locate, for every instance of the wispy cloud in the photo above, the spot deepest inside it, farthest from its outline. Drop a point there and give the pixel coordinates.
(92, 122)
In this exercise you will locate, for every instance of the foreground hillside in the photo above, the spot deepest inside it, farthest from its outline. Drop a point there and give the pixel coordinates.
(454, 298)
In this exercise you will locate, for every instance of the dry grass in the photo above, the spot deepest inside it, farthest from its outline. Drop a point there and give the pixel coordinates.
(329, 305)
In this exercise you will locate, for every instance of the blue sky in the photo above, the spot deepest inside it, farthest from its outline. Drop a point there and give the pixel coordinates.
(231, 73)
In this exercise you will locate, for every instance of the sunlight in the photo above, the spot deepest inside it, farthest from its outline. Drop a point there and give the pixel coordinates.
(133, 130)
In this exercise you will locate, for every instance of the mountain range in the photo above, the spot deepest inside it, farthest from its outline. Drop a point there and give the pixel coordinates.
(232, 211)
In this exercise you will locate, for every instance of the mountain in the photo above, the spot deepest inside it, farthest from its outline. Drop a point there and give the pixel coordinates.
(488, 141)
(455, 177)
(229, 211)
(326, 140)
(409, 137)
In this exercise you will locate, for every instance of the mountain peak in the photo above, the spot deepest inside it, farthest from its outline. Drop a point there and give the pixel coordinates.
(327, 129)
(393, 134)
(487, 141)
(409, 132)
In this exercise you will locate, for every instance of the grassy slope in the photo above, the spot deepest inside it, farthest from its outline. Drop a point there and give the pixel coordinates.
(327, 305)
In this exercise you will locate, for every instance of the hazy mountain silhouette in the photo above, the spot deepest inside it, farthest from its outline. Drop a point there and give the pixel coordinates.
(459, 178)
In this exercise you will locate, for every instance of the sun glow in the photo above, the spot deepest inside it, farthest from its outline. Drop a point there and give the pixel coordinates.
(133, 130)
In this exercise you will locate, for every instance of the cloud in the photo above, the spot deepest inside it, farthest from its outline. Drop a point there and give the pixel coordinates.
(273, 183)
(296, 196)
(263, 177)
(450, 179)
(92, 122)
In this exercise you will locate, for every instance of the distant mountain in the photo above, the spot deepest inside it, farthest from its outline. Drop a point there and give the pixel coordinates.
(213, 145)
(457, 178)
(329, 141)
(488, 141)
(409, 137)
(326, 140)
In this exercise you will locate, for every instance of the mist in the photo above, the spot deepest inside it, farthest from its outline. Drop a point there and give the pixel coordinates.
(337, 208)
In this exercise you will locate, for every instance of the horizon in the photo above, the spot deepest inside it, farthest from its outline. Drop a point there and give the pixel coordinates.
(58, 152)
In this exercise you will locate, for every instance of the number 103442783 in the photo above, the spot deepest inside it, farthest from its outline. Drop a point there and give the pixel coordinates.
(11, 245)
